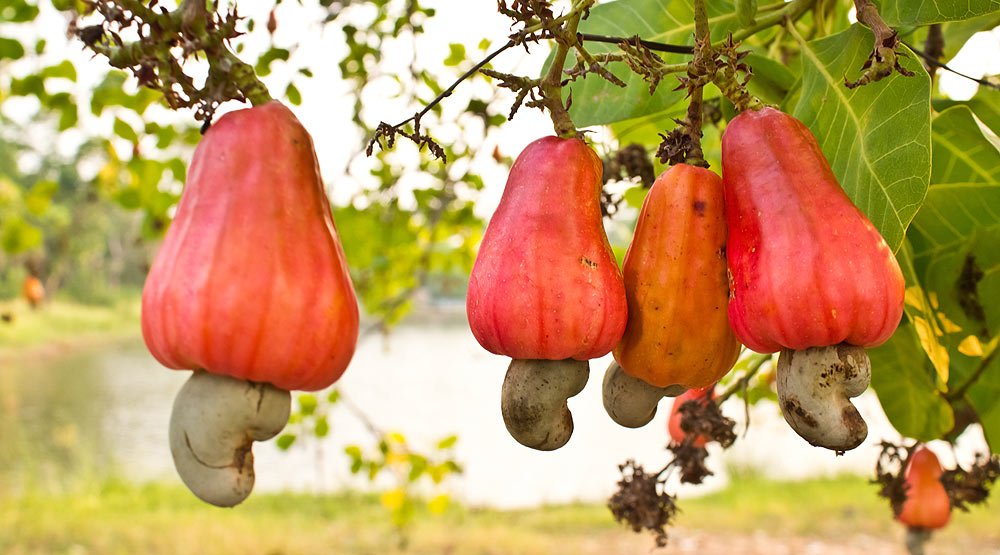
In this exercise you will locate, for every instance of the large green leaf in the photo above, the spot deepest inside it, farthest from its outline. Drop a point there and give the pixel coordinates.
(965, 195)
(985, 105)
(964, 150)
(957, 264)
(876, 137)
(597, 101)
(904, 380)
(976, 361)
(924, 12)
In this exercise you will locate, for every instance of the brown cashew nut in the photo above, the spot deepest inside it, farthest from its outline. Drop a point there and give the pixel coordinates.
(815, 387)
(632, 402)
(534, 400)
(214, 422)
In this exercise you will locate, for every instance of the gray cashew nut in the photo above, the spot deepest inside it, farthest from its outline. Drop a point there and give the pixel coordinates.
(214, 422)
(815, 387)
(534, 400)
(632, 402)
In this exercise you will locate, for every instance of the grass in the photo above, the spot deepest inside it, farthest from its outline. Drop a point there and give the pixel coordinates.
(121, 518)
(61, 325)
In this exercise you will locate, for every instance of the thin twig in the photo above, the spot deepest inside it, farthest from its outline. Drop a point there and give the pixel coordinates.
(654, 46)
(930, 60)
(960, 391)
(447, 92)
(751, 371)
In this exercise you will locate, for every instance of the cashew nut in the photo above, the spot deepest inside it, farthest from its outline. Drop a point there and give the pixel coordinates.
(632, 402)
(534, 400)
(214, 422)
(815, 387)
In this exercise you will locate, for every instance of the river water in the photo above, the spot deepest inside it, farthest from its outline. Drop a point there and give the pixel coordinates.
(104, 413)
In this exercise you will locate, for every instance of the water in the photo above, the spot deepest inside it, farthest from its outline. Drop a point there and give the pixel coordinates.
(90, 415)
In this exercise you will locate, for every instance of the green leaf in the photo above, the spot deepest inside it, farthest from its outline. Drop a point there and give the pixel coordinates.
(448, 442)
(285, 441)
(111, 92)
(906, 387)
(771, 80)
(18, 11)
(322, 428)
(876, 137)
(746, 11)
(985, 105)
(263, 66)
(597, 101)
(307, 403)
(293, 95)
(456, 54)
(983, 398)
(964, 149)
(10, 49)
(125, 131)
(63, 70)
(910, 12)
(39, 198)
(18, 236)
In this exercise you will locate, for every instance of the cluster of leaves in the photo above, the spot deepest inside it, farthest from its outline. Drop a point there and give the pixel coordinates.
(49, 209)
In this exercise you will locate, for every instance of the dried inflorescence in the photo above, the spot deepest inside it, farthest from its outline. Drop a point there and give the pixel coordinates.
(889, 474)
(641, 503)
(629, 162)
(972, 486)
(700, 420)
(165, 40)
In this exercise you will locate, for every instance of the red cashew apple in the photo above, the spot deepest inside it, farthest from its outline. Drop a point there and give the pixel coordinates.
(927, 504)
(677, 434)
(810, 275)
(251, 290)
(545, 289)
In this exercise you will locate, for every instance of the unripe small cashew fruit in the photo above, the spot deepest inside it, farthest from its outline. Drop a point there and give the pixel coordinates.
(214, 422)
(815, 387)
(632, 402)
(534, 400)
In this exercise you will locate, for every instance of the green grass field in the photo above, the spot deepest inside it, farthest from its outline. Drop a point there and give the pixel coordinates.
(60, 325)
(119, 518)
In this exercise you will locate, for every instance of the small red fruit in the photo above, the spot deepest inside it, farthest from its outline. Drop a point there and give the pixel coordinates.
(927, 505)
(33, 290)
